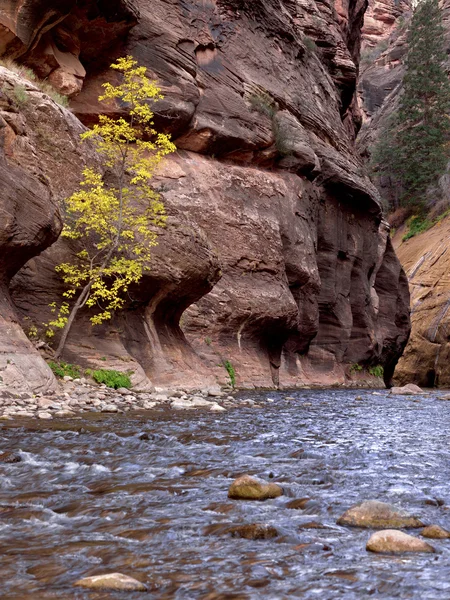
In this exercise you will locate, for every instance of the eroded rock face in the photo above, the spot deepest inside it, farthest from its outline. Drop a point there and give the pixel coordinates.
(57, 38)
(426, 262)
(29, 223)
(275, 257)
(381, 20)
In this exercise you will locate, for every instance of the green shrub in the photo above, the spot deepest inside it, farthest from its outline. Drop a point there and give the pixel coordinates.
(309, 43)
(231, 372)
(112, 379)
(20, 94)
(355, 368)
(263, 103)
(376, 371)
(62, 369)
(417, 224)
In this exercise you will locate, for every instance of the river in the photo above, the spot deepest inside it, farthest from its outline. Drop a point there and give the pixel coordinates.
(146, 495)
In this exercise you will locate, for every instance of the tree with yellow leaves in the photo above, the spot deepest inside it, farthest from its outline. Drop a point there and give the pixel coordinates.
(116, 223)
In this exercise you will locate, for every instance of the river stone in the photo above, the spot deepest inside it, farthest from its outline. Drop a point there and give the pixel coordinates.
(189, 403)
(378, 515)
(10, 457)
(109, 408)
(112, 581)
(254, 531)
(217, 408)
(45, 416)
(298, 503)
(391, 541)
(409, 389)
(435, 532)
(250, 488)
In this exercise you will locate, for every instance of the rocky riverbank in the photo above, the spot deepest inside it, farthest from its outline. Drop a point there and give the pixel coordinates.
(296, 499)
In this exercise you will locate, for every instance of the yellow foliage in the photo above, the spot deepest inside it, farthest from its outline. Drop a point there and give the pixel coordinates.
(116, 224)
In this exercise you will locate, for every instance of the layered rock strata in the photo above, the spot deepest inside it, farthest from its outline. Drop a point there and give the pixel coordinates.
(275, 259)
(426, 260)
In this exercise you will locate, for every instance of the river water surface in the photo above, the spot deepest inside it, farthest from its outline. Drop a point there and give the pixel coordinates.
(146, 495)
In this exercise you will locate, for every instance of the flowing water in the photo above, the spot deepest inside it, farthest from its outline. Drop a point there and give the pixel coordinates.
(146, 495)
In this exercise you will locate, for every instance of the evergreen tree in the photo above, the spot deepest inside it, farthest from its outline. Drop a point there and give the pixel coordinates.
(414, 151)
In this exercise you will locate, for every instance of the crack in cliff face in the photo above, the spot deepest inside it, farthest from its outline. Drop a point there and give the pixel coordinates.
(274, 257)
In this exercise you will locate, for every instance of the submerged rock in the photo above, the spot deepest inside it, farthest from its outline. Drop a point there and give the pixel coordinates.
(378, 515)
(409, 389)
(435, 532)
(112, 581)
(391, 541)
(254, 531)
(10, 457)
(250, 488)
(298, 503)
(313, 525)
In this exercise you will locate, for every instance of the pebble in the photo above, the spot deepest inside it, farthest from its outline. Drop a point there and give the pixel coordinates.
(113, 582)
(391, 541)
(217, 408)
(250, 488)
(378, 515)
(44, 415)
(435, 532)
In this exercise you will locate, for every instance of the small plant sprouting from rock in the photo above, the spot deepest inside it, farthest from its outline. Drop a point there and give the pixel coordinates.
(208, 341)
(27, 73)
(112, 379)
(63, 369)
(231, 372)
(356, 368)
(20, 94)
(376, 371)
(263, 103)
(309, 43)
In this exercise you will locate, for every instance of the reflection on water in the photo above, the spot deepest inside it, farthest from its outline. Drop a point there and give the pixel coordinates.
(147, 496)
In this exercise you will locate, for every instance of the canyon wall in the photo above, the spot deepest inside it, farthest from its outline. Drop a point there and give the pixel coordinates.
(275, 256)
(424, 257)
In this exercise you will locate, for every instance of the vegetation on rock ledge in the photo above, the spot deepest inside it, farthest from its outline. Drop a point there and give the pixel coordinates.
(413, 149)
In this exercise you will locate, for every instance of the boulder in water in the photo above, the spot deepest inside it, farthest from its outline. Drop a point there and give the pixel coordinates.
(410, 389)
(378, 515)
(250, 488)
(391, 541)
(435, 532)
(254, 531)
(298, 503)
(113, 582)
(10, 457)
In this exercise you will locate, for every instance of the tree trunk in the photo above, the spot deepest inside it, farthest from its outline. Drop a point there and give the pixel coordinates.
(78, 304)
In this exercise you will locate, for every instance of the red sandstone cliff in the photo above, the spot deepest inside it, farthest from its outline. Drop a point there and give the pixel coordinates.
(275, 256)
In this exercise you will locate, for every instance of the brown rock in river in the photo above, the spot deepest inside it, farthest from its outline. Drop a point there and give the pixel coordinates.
(298, 503)
(435, 532)
(10, 457)
(378, 515)
(254, 531)
(390, 541)
(112, 581)
(409, 389)
(250, 488)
